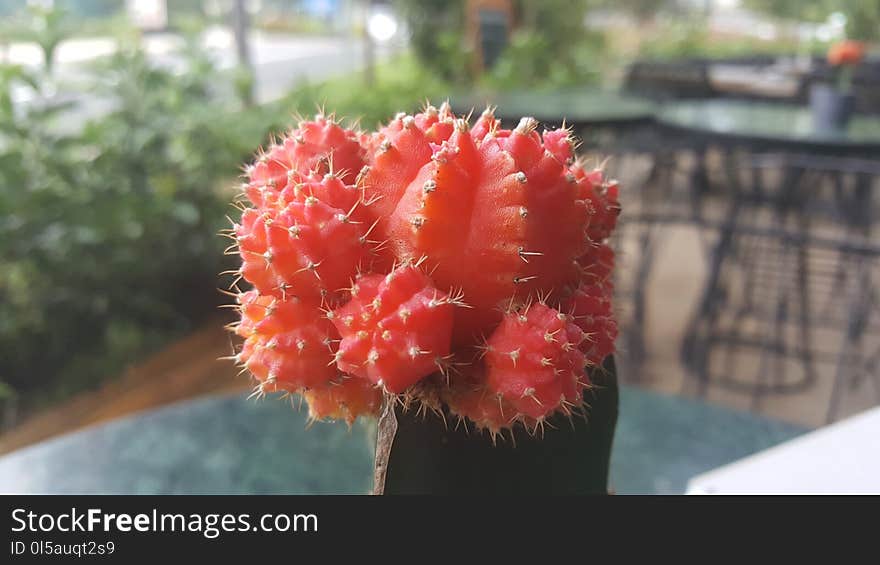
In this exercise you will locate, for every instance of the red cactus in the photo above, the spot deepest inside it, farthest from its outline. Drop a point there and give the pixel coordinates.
(601, 198)
(320, 145)
(307, 248)
(506, 216)
(487, 410)
(495, 215)
(590, 309)
(288, 343)
(597, 264)
(395, 329)
(344, 399)
(533, 361)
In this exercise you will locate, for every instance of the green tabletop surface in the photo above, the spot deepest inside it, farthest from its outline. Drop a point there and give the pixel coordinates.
(228, 444)
(766, 121)
(576, 106)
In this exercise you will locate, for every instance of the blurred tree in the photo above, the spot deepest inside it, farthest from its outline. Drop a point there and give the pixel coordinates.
(49, 26)
(803, 10)
(643, 11)
(550, 47)
(862, 16)
(369, 46)
(550, 41)
(863, 19)
(182, 11)
(561, 22)
(436, 28)
(241, 29)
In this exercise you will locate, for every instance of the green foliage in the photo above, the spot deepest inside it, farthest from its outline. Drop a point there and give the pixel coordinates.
(436, 29)
(803, 10)
(862, 16)
(402, 84)
(688, 39)
(108, 235)
(184, 12)
(679, 40)
(531, 60)
(641, 10)
(549, 46)
(863, 19)
(48, 27)
(561, 22)
(6, 391)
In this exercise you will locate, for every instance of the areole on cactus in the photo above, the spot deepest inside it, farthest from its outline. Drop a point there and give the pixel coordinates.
(458, 265)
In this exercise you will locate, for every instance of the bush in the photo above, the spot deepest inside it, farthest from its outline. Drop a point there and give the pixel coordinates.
(108, 234)
(436, 30)
(400, 84)
(531, 60)
(549, 45)
(689, 39)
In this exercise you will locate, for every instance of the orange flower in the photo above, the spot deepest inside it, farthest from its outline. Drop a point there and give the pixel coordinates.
(846, 53)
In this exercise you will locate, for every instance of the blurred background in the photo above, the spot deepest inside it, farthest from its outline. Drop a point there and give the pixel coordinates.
(746, 246)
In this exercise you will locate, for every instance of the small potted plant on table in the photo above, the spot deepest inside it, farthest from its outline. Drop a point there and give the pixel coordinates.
(832, 104)
(452, 277)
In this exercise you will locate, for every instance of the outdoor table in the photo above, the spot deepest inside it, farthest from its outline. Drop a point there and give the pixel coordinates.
(227, 444)
(826, 187)
(764, 126)
(605, 120)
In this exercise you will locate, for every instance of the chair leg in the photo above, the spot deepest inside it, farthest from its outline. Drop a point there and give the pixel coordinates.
(694, 346)
(656, 189)
(858, 313)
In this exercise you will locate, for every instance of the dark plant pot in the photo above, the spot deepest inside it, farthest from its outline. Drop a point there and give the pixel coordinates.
(427, 456)
(831, 109)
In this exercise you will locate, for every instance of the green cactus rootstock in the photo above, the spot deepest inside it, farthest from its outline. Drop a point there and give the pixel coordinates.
(570, 455)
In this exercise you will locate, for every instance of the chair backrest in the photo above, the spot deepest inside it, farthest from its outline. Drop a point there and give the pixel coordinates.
(843, 190)
(662, 80)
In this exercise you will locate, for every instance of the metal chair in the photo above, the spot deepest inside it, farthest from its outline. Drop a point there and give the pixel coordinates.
(665, 80)
(662, 194)
(794, 258)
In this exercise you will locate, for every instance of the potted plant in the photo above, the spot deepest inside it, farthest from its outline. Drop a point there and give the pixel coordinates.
(832, 103)
(453, 278)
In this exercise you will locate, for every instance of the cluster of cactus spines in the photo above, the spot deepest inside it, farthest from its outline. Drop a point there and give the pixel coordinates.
(396, 329)
(287, 342)
(305, 247)
(344, 398)
(457, 264)
(321, 146)
(534, 361)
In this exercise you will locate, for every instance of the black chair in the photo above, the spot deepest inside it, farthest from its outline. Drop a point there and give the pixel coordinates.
(669, 80)
(669, 189)
(790, 282)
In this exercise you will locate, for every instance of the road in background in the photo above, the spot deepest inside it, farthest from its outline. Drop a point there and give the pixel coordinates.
(280, 62)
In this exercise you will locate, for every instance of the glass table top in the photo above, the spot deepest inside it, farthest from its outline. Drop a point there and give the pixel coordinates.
(230, 445)
(768, 121)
